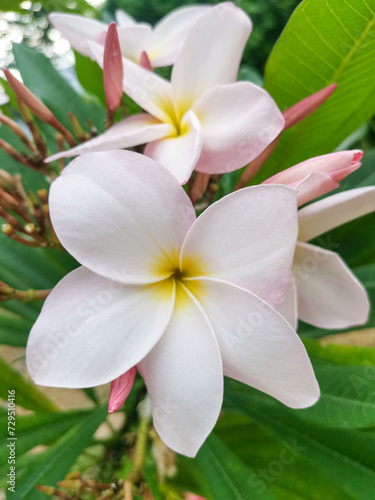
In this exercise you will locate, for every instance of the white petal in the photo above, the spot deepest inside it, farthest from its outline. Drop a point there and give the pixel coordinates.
(288, 307)
(179, 154)
(239, 121)
(320, 217)
(247, 238)
(258, 346)
(77, 30)
(123, 19)
(170, 33)
(91, 330)
(132, 131)
(152, 92)
(184, 378)
(134, 40)
(329, 295)
(211, 53)
(122, 215)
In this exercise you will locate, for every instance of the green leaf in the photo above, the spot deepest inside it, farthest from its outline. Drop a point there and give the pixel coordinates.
(347, 396)
(50, 87)
(27, 395)
(90, 76)
(345, 456)
(12, 6)
(325, 41)
(56, 462)
(226, 475)
(42, 428)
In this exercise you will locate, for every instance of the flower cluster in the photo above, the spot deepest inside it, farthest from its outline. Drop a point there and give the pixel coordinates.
(181, 299)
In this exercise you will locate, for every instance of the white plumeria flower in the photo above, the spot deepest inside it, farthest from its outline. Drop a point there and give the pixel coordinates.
(202, 119)
(161, 43)
(182, 299)
(325, 292)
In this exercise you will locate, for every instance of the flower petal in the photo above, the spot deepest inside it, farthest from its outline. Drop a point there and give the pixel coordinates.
(329, 295)
(122, 215)
(170, 33)
(289, 305)
(247, 238)
(89, 330)
(184, 378)
(179, 154)
(120, 389)
(152, 92)
(134, 40)
(238, 122)
(77, 30)
(323, 215)
(211, 53)
(132, 131)
(258, 346)
(123, 19)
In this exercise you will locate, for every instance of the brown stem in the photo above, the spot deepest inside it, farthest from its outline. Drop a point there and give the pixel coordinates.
(14, 127)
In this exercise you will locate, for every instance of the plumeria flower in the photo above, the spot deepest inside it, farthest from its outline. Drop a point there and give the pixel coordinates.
(183, 300)
(324, 292)
(161, 43)
(202, 119)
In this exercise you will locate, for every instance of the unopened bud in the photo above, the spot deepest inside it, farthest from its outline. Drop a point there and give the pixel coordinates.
(70, 484)
(112, 69)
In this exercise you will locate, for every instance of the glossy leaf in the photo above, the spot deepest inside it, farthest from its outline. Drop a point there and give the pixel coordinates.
(346, 456)
(325, 41)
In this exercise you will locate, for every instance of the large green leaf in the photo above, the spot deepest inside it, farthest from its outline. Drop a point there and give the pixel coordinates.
(346, 456)
(56, 462)
(26, 394)
(347, 396)
(288, 475)
(226, 475)
(325, 41)
(340, 353)
(45, 81)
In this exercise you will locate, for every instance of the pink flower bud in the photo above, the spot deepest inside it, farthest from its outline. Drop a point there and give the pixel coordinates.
(319, 175)
(145, 61)
(120, 389)
(112, 69)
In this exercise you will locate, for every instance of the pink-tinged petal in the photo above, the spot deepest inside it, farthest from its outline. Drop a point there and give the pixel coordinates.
(314, 185)
(192, 496)
(258, 346)
(92, 330)
(288, 308)
(323, 215)
(122, 215)
(120, 389)
(134, 39)
(77, 30)
(132, 131)
(112, 69)
(329, 169)
(152, 92)
(145, 61)
(247, 238)
(329, 295)
(170, 33)
(211, 53)
(184, 378)
(179, 154)
(238, 122)
(123, 19)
